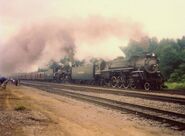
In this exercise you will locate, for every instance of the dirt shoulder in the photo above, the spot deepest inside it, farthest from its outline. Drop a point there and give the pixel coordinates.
(28, 111)
(18, 117)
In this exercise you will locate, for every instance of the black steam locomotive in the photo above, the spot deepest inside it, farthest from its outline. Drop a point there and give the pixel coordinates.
(139, 71)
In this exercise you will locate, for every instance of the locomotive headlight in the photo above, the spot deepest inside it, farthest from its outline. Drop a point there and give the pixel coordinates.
(154, 66)
(153, 54)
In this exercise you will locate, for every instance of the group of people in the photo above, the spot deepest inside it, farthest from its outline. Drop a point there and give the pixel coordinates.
(4, 81)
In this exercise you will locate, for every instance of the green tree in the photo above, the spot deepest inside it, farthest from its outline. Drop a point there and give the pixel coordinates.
(133, 48)
(54, 65)
(169, 60)
(41, 70)
(181, 43)
(179, 74)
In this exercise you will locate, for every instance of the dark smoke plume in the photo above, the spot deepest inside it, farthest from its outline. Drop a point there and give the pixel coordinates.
(36, 45)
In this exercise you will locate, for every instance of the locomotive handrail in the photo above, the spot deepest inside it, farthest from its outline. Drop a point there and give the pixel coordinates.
(110, 69)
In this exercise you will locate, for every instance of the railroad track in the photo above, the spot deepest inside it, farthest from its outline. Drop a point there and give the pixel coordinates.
(163, 91)
(148, 96)
(171, 119)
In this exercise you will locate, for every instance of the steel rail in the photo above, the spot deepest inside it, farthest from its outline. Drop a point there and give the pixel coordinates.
(169, 99)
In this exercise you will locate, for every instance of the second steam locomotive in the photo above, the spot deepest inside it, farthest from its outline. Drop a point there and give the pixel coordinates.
(139, 71)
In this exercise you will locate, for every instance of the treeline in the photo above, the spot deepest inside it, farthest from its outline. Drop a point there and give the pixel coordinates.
(63, 62)
(171, 53)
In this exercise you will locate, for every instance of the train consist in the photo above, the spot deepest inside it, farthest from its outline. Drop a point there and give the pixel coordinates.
(140, 71)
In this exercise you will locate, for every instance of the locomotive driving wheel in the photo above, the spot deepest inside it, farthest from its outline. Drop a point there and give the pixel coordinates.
(125, 85)
(132, 84)
(114, 81)
(122, 83)
(147, 86)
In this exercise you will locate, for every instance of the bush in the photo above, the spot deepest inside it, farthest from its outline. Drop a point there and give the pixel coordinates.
(20, 108)
(175, 85)
(174, 77)
(178, 75)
